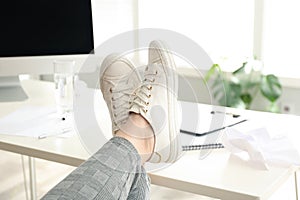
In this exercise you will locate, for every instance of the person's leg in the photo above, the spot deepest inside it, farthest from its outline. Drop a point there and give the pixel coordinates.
(114, 172)
(119, 78)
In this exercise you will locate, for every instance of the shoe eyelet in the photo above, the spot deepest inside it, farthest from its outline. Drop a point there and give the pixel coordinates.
(153, 80)
(156, 72)
(110, 90)
(149, 95)
(115, 115)
(150, 88)
(147, 103)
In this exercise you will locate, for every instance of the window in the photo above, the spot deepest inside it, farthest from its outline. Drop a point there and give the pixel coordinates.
(281, 38)
(111, 17)
(224, 29)
(231, 31)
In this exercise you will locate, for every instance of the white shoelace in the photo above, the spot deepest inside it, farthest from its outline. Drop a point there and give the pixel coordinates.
(120, 101)
(143, 94)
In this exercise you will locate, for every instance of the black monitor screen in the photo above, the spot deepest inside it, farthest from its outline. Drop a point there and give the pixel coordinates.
(45, 27)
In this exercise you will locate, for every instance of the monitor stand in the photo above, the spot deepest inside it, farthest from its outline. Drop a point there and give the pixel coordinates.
(11, 89)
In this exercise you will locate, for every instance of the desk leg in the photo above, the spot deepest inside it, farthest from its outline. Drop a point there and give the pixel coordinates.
(296, 185)
(32, 178)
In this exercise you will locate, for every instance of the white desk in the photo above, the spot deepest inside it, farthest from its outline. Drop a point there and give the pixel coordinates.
(217, 176)
(63, 150)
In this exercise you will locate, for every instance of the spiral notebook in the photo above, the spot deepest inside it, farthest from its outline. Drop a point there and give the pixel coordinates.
(202, 122)
(202, 146)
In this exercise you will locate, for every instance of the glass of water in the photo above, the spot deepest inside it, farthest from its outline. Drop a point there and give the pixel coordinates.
(64, 85)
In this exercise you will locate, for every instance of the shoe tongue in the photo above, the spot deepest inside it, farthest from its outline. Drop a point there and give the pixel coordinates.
(135, 109)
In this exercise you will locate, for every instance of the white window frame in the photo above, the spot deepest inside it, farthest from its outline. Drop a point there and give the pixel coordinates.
(258, 36)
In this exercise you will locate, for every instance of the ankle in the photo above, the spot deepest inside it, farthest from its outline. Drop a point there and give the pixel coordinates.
(144, 147)
(138, 131)
(138, 120)
(137, 127)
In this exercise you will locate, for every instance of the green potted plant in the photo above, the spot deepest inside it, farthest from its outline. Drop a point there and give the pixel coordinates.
(238, 89)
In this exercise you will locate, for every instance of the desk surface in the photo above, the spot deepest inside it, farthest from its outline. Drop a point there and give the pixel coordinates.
(218, 175)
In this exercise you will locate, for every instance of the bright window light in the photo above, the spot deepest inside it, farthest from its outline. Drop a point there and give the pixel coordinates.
(224, 29)
(111, 17)
(282, 38)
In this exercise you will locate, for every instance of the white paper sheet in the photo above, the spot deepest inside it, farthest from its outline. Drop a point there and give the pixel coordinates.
(36, 121)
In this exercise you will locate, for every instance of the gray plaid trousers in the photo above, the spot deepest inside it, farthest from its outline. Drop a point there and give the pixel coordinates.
(114, 172)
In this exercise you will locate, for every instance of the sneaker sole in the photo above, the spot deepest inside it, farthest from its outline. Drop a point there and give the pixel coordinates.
(169, 68)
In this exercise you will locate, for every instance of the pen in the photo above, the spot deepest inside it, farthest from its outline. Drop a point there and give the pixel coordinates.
(232, 114)
(212, 131)
(45, 135)
(42, 136)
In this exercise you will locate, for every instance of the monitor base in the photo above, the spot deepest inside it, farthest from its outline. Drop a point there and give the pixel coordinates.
(11, 89)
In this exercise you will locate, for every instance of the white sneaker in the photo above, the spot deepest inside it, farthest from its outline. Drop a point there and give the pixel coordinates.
(118, 79)
(156, 101)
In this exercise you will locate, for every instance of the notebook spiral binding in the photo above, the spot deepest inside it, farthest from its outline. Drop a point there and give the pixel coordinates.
(202, 146)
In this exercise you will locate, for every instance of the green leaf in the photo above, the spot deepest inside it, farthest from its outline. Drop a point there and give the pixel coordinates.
(233, 94)
(270, 87)
(235, 89)
(228, 94)
(273, 107)
(247, 99)
(211, 71)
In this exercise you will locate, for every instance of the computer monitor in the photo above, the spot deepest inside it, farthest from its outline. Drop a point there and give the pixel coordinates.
(34, 33)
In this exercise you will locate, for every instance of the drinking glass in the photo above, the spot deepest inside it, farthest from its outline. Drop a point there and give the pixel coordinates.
(64, 85)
